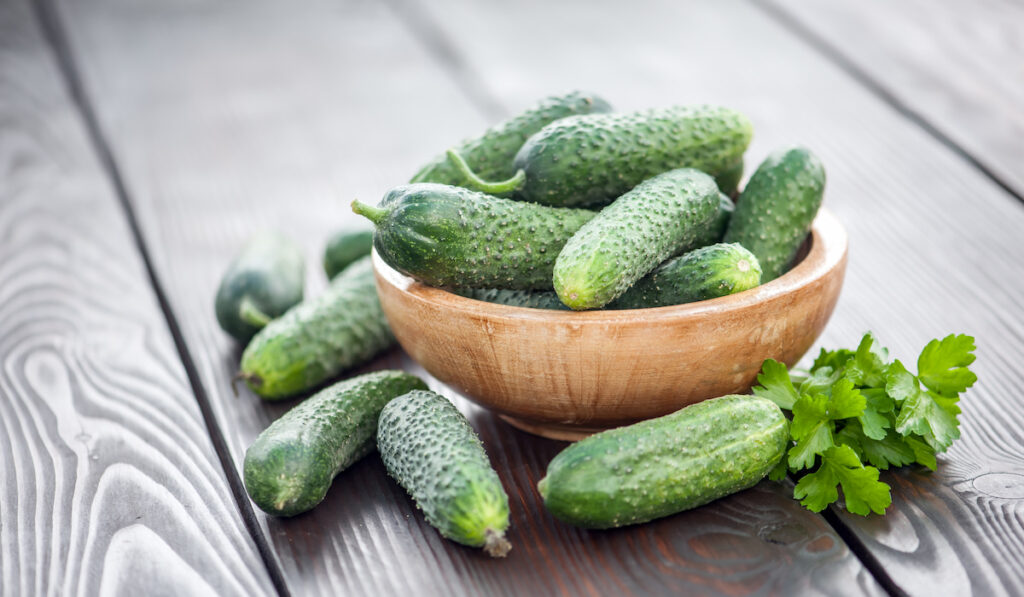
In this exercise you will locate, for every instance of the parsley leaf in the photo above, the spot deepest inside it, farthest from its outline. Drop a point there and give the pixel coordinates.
(875, 420)
(836, 359)
(812, 426)
(942, 366)
(868, 365)
(840, 466)
(925, 413)
(776, 385)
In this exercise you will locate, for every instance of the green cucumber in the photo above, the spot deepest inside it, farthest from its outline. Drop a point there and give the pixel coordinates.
(663, 216)
(775, 210)
(431, 450)
(263, 281)
(590, 160)
(702, 274)
(344, 248)
(531, 299)
(319, 338)
(728, 180)
(492, 154)
(291, 465)
(453, 237)
(666, 465)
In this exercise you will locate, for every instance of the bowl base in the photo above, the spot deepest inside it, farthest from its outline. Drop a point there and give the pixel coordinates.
(565, 433)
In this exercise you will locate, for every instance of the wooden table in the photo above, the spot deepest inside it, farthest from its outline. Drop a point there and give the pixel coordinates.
(142, 142)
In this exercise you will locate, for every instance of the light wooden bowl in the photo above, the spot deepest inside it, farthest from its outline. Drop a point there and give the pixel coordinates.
(565, 375)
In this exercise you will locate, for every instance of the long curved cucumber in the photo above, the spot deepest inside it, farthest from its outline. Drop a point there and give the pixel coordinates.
(661, 217)
(319, 338)
(666, 465)
(290, 466)
(431, 450)
(263, 281)
(453, 237)
(491, 155)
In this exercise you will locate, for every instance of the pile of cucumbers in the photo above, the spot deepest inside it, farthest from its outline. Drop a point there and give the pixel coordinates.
(566, 206)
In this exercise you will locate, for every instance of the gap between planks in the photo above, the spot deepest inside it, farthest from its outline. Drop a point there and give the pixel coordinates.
(835, 55)
(55, 35)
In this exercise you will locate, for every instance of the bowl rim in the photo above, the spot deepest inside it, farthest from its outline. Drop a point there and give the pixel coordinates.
(828, 248)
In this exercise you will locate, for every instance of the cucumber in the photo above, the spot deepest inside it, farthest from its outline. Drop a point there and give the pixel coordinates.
(531, 299)
(775, 210)
(263, 281)
(430, 449)
(319, 338)
(345, 247)
(666, 465)
(728, 180)
(492, 154)
(663, 216)
(291, 465)
(590, 160)
(452, 237)
(704, 273)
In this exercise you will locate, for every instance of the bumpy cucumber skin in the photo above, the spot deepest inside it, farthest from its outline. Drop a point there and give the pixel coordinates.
(291, 465)
(661, 217)
(666, 465)
(453, 237)
(344, 248)
(269, 273)
(728, 180)
(431, 450)
(588, 161)
(531, 299)
(492, 154)
(319, 338)
(702, 274)
(775, 210)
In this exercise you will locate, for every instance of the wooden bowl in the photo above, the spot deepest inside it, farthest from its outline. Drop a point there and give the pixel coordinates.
(565, 375)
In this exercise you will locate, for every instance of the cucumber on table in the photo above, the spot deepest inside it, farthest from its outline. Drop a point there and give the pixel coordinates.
(590, 160)
(775, 210)
(705, 273)
(666, 465)
(491, 155)
(263, 281)
(430, 449)
(344, 248)
(319, 338)
(661, 217)
(291, 465)
(453, 237)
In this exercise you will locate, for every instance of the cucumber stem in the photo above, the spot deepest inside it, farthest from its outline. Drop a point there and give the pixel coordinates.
(249, 378)
(495, 544)
(251, 314)
(478, 184)
(374, 214)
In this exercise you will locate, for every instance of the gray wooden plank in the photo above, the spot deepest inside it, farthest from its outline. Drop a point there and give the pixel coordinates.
(108, 481)
(935, 245)
(224, 120)
(958, 65)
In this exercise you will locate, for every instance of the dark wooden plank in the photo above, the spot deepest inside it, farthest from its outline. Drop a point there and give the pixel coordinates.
(959, 66)
(273, 117)
(108, 481)
(935, 245)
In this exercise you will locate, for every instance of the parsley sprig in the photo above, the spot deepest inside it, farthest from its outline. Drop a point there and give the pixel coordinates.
(855, 406)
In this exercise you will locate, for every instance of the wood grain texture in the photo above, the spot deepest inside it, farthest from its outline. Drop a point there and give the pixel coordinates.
(565, 375)
(269, 116)
(958, 65)
(934, 245)
(108, 481)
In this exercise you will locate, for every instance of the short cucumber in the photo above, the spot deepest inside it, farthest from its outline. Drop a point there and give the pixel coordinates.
(661, 217)
(775, 210)
(702, 274)
(531, 299)
(319, 338)
(263, 281)
(666, 465)
(344, 248)
(491, 155)
(430, 449)
(291, 465)
(452, 237)
(590, 160)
